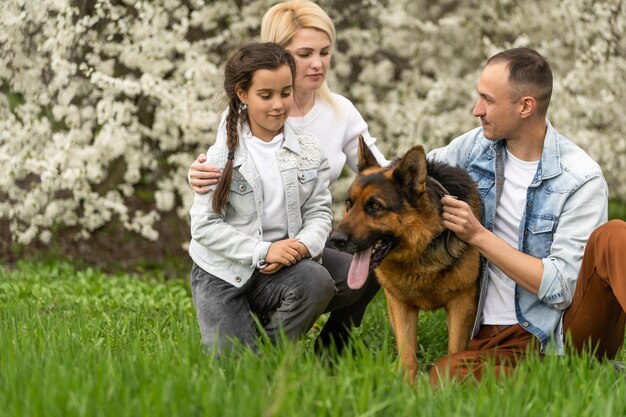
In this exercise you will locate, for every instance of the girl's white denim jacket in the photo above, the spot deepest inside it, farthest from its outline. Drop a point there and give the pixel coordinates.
(229, 245)
(566, 201)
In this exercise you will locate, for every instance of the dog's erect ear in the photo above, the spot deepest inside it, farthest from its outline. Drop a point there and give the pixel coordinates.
(412, 171)
(366, 157)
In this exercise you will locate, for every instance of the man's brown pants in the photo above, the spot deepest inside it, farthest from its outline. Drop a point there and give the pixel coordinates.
(594, 321)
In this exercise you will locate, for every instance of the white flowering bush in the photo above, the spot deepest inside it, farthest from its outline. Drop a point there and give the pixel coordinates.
(106, 103)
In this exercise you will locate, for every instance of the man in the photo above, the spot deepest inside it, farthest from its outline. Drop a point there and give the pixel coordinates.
(543, 197)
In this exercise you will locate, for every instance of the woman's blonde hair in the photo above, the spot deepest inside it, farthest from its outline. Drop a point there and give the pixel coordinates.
(282, 21)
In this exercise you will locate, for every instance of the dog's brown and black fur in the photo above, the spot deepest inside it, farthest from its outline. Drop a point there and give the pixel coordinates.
(396, 210)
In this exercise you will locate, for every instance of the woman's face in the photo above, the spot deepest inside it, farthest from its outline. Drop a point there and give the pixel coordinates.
(311, 49)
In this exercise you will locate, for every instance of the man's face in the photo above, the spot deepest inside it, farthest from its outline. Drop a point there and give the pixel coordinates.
(499, 116)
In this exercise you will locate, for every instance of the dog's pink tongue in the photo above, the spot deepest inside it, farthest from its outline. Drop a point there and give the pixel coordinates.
(359, 269)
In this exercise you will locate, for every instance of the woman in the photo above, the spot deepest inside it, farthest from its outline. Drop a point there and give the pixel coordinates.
(304, 29)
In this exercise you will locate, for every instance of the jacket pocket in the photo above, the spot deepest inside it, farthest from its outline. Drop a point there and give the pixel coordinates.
(307, 175)
(485, 182)
(241, 196)
(539, 235)
(306, 182)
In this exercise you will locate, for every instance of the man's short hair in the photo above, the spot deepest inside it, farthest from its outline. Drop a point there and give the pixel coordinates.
(529, 74)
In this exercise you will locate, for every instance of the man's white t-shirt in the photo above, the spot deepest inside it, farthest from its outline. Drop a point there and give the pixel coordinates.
(500, 301)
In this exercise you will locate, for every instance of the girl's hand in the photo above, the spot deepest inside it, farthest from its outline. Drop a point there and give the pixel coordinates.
(274, 267)
(201, 176)
(285, 252)
(303, 250)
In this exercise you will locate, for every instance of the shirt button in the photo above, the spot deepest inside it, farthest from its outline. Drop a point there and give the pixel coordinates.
(530, 203)
(242, 187)
(525, 324)
(301, 176)
(237, 279)
(526, 232)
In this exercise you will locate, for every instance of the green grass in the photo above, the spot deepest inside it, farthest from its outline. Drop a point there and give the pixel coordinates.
(617, 210)
(82, 343)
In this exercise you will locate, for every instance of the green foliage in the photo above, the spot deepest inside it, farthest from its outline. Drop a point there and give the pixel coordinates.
(81, 343)
(617, 210)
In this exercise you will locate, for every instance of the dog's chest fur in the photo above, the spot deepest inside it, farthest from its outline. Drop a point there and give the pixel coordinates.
(427, 285)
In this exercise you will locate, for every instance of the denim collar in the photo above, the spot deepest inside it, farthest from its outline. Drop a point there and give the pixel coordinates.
(551, 155)
(291, 142)
(291, 138)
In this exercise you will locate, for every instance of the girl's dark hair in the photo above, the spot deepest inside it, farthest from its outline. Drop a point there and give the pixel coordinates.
(240, 69)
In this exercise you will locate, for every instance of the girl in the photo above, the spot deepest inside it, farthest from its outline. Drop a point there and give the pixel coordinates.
(303, 28)
(268, 214)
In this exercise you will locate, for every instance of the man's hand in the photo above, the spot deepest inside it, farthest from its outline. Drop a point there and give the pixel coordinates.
(459, 217)
(522, 268)
(201, 176)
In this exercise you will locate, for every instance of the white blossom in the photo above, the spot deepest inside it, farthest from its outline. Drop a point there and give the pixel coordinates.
(98, 103)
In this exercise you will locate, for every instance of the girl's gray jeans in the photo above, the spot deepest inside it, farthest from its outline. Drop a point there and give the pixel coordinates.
(289, 301)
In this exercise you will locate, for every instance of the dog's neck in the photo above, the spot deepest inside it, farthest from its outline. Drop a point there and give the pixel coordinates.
(439, 186)
(445, 237)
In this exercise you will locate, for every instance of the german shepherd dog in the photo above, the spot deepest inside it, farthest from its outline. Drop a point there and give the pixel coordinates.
(392, 222)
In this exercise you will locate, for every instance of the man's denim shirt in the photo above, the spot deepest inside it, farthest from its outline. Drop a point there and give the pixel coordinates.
(565, 202)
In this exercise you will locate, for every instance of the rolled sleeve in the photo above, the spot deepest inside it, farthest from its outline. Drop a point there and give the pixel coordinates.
(585, 210)
(260, 253)
(552, 291)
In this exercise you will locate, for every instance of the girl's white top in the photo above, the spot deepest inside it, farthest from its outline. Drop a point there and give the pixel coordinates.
(263, 155)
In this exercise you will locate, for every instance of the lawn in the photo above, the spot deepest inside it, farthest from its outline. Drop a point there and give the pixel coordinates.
(78, 342)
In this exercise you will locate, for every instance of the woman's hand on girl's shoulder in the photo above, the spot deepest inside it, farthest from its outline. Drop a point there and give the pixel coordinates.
(201, 176)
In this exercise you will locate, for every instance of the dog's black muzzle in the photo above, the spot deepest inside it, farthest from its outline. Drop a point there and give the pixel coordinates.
(343, 241)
